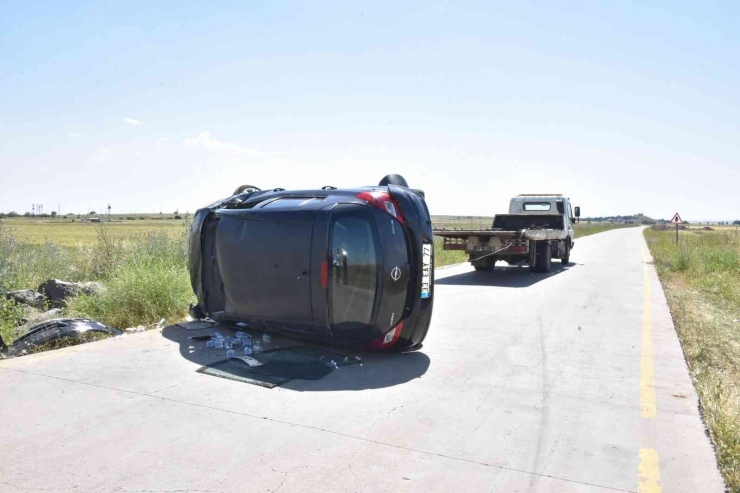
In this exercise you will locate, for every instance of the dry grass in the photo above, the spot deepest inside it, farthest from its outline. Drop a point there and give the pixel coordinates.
(65, 233)
(701, 278)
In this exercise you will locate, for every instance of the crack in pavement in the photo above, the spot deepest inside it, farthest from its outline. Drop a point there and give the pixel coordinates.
(322, 430)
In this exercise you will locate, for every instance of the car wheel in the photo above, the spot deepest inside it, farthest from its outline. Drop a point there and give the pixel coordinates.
(242, 188)
(393, 180)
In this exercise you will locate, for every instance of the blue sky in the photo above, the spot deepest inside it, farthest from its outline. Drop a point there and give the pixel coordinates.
(151, 106)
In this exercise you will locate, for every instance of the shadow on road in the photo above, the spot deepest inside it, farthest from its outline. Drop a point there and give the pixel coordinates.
(506, 277)
(375, 371)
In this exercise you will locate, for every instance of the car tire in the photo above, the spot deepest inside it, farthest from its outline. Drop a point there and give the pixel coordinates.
(566, 256)
(242, 188)
(393, 180)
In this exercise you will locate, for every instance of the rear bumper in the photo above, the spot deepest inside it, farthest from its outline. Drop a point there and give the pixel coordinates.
(418, 311)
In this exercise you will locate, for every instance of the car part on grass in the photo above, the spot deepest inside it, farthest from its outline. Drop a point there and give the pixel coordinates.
(279, 366)
(54, 330)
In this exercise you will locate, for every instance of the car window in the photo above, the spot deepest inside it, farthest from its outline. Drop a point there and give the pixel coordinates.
(354, 271)
(284, 203)
(537, 206)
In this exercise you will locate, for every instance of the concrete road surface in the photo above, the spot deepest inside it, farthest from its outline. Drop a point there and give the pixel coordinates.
(570, 382)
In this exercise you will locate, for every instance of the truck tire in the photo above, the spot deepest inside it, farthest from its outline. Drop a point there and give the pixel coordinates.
(543, 257)
(566, 256)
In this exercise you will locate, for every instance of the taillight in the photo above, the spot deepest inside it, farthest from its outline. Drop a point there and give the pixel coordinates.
(387, 340)
(325, 274)
(383, 201)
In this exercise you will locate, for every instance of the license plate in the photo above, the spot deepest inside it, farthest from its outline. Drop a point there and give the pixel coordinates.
(426, 275)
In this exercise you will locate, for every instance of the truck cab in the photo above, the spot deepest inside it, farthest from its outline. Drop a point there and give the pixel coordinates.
(539, 205)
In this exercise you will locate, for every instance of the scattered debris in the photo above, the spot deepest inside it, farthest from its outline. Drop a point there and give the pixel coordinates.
(54, 330)
(250, 361)
(273, 368)
(197, 324)
(161, 323)
(138, 328)
(200, 338)
(57, 292)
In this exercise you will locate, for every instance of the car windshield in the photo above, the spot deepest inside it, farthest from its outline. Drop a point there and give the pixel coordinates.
(354, 271)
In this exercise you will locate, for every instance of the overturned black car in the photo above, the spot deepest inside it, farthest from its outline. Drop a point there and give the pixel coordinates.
(343, 266)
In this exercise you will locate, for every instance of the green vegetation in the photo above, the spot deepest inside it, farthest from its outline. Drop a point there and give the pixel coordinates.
(587, 229)
(145, 273)
(701, 278)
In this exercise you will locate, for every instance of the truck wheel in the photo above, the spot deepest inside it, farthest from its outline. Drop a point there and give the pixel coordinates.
(566, 256)
(543, 257)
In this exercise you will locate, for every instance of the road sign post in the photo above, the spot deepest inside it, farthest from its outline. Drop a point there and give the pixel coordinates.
(676, 220)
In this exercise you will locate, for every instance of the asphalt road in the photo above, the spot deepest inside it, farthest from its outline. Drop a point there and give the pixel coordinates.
(571, 382)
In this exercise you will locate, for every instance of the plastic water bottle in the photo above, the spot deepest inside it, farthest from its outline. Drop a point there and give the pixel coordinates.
(247, 350)
(256, 348)
(265, 337)
(230, 353)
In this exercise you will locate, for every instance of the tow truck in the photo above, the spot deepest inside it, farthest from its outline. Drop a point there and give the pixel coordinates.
(537, 229)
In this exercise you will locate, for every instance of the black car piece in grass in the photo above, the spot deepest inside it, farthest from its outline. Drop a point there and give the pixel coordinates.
(345, 266)
(57, 329)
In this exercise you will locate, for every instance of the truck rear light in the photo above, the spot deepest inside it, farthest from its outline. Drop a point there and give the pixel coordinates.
(383, 201)
(387, 340)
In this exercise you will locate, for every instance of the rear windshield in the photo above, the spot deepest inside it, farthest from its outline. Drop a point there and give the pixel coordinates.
(354, 271)
(537, 206)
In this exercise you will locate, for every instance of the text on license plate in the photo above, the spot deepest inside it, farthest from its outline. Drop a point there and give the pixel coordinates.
(426, 276)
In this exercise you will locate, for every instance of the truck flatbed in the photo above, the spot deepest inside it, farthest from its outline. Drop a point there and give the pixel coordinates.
(526, 234)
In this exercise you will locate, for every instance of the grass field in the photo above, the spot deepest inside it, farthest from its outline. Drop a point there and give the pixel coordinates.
(64, 232)
(450, 257)
(701, 278)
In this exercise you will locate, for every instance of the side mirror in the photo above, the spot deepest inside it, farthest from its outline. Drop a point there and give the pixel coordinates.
(578, 212)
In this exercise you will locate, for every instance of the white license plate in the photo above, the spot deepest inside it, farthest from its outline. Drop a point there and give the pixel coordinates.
(426, 276)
